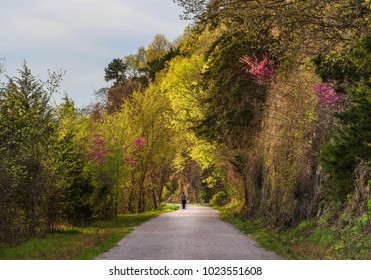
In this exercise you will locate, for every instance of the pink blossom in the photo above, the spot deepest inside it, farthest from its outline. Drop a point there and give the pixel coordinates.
(98, 152)
(114, 139)
(140, 142)
(132, 162)
(327, 95)
(98, 140)
(262, 71)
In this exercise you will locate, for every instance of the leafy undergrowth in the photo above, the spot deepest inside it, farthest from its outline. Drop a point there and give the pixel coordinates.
(311, 239)
(83, 243)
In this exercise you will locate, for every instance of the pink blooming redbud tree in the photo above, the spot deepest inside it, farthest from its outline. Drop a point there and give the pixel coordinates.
(262, 71)
(140, 142)
(99, 149)
(328, 96)
(108, 173)
(131, 161)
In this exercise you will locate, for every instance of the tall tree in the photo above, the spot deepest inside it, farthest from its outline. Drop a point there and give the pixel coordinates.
(157, 53)
(116, 70)
(152, 150)
(136, 63)
(69, 155)
(157, 48)
(27, 127)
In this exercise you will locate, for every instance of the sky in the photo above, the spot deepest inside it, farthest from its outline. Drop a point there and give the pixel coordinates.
(80, 37)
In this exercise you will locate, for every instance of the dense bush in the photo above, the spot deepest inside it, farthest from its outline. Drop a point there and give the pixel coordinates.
(219, 199)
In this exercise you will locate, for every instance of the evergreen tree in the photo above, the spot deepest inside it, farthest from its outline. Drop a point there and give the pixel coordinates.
(349, 143)
(26, 130)
(116, 70)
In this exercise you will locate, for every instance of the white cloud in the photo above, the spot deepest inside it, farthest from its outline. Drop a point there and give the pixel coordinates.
(81, 36)
(71, 23)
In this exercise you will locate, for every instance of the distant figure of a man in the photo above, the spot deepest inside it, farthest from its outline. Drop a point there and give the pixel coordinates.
(184, 200)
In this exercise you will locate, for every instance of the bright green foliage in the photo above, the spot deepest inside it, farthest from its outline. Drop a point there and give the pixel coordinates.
(131, 153)
(195, 157)
(219, 199)
(182, 86)
(148, 118)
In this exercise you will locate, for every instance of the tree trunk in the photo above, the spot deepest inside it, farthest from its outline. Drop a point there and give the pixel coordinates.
(154, 198)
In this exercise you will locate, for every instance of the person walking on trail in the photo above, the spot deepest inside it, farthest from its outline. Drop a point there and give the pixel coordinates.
(184, 200)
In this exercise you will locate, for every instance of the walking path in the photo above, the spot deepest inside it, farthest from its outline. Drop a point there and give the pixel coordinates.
(194, 233)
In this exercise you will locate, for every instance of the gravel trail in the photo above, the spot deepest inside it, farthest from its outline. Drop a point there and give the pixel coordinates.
(195, 233)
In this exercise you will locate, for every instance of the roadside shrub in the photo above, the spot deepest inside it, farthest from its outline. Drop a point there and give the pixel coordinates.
(219, 199)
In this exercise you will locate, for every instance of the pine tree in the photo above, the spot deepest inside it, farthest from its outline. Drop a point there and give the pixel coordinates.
(116, 70)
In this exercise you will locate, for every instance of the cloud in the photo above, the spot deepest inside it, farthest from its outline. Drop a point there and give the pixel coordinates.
(81, 36)
(75, 23)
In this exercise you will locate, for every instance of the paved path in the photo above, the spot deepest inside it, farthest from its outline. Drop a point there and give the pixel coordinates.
(194, 233)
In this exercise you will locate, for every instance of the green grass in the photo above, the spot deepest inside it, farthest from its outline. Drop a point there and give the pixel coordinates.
(169, 207)
(79, 242)
(267, 238)
(309, 240)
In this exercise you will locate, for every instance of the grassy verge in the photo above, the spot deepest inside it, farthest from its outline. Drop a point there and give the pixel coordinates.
(311, 239)
(82, 243)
